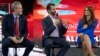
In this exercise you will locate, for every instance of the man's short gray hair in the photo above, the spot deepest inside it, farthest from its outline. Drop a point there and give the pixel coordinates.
(14, 4)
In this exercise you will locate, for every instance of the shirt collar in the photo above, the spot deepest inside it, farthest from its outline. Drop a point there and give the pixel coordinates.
(51, 17)
(15, 15)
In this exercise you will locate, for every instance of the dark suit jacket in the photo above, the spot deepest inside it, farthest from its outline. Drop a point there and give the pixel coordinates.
(8, 26)
(48, 27)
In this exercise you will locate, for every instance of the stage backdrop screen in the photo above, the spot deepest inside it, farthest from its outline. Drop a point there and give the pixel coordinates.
(68, 10)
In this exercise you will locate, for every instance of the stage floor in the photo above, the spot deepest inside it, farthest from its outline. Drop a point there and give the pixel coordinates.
(73, 51)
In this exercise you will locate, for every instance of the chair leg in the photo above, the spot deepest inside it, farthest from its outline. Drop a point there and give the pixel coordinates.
(15, 52)
(53, 54)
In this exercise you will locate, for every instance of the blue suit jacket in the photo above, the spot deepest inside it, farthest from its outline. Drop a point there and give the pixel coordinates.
(8, 26)
(89, 31)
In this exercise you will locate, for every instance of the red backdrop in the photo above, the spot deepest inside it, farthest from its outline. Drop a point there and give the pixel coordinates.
(77, 6)
(34, 20)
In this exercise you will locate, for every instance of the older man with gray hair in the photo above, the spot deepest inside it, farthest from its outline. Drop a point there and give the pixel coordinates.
(14, 29)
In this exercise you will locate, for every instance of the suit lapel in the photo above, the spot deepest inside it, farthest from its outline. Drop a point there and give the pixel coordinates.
(51, 23)
(12, 20)
(49, 20)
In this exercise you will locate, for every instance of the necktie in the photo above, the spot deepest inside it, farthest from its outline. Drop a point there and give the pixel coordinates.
(17, 33)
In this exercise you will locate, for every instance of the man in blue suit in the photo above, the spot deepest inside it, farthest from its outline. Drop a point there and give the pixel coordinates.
(54, 30)
(14, 29)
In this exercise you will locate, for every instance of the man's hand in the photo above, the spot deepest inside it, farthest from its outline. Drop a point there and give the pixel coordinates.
(14, 39)
(64, 22)
(20, 40)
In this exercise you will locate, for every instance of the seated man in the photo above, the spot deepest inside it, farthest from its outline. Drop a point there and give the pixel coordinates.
(54, 31)
(14, 29)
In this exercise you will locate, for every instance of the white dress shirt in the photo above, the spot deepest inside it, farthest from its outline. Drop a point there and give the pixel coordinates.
(55, 33)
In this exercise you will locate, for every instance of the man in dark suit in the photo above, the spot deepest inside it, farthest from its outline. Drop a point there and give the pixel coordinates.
(54, 30)
(14, 29)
